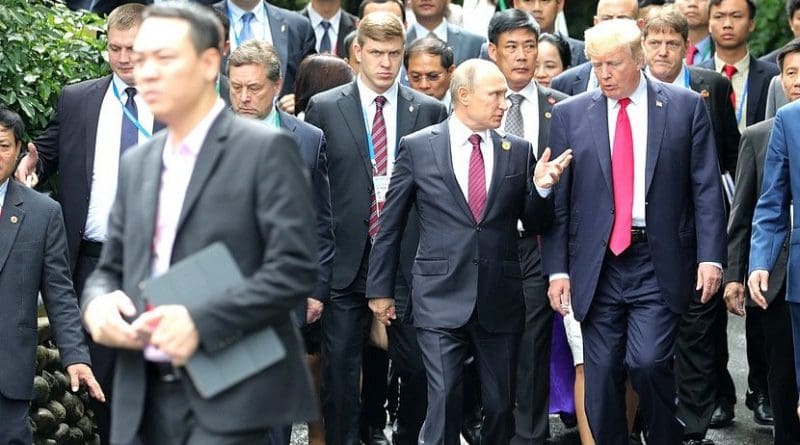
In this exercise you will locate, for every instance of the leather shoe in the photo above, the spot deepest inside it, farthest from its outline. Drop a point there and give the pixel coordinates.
(471, 432)
(723, 415)
(373, 436)
(698, 442)
(759, 403)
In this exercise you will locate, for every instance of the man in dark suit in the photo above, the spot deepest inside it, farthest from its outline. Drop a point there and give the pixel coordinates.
(331, 25)
(94, 122)
(375, 101)
(777, 321)
(699, 381)
(33, 260)
(731, 22)
(513, 46)
(467, 286)
(581, 78)
(639, 219)
(545, 13)
(289, 32)
(701, 46)
(254, 73)
(212, 177)
(430, 16)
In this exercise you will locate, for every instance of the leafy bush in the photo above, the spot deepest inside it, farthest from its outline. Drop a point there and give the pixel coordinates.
(46, 46)
(772, 30)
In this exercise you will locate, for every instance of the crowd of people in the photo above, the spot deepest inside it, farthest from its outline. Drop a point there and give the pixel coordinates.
(454, 225)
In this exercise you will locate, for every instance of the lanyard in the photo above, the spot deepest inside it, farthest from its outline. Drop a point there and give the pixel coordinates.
(233, 24)
(370, 145)
(128, 114)
(744, 99)
(686, 78)
(277, 119)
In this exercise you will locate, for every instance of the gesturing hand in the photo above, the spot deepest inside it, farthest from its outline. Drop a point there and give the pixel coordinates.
(547, 172)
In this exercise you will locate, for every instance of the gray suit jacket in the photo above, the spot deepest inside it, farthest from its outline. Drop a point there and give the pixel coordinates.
(33, 259)
(776, 98)
(249, 191)
(465, 44)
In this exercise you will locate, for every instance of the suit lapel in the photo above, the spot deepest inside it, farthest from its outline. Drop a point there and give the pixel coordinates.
(280, 39)
(500, 166)
(353, 116)
(582, 80)
(754, 85)
(407, 113)
(598, 110)
(411, 35)
(93, 103)
(453, 34)
(440, 148)
(546, 102)
(212, 149)
(148, 194)
(8, 229)
(656, 120)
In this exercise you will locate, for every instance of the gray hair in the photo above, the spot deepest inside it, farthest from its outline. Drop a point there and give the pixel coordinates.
(257, 52)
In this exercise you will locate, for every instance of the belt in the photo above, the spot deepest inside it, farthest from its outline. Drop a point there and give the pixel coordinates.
(638, 235)
(90, 248)
(163, 372)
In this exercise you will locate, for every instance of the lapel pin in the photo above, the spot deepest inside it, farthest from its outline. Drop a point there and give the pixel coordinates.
(704, 93)
(411, 108)
(551, 100)
(14, 219)
(547, 115)
(659, 104)
(506, 145)
(283, 28)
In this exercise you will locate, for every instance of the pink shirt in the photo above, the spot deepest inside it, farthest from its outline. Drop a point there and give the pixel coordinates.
(178, 161)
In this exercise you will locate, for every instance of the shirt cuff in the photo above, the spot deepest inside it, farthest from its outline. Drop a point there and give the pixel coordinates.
(559, 276)
(544, 193)
(717, 265)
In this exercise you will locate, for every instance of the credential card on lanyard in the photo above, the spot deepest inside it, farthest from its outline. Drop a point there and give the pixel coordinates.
(381, 184)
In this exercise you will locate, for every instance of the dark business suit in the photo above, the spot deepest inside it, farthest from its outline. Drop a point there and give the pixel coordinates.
(292, 38)
(533, 369)
(758, 78)
(467, 284)
(347, 24)
(573, 81)
(701, 356)
(67, 147)
(339, 115)
(33, 259)
(685, 225)
(465, 44)
(777, 327)
(576, 47)
(248, 191)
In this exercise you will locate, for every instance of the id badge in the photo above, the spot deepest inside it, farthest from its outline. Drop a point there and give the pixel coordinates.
(381, 184)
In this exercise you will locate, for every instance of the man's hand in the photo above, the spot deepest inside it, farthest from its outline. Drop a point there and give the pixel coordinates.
(709, 278)
(559, 295)
(734, 298)
(171, 330)
(286, 104)
(82, 373)
(103, 319)
(314, 309)
(758, 284)
(383, 309)
(26, 170)
(547, 172)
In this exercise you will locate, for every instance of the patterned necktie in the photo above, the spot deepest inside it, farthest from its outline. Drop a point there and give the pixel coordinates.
(130, 134)
(514, 121)
(247, 31)
(325, 43)
(379, 145)
(729, 71)
(690, 53)
(476, 190)
(622, 176)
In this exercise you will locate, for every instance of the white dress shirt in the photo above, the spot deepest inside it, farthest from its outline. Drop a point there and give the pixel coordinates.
(106, 156)
(440, 31)
(3, 189)
(367, 97)
(530, 113)
(461, 151)
(738, 82)
(680, 81)
(259, 25)
(319, 30)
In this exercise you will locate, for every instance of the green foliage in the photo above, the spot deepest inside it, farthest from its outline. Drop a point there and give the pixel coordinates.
(772, 28)
(45, 46)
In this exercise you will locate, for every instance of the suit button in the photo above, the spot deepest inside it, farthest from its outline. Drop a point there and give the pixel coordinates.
(612, 211)
(604, 243)
(478, 228)
(141, 285)
(475, 262)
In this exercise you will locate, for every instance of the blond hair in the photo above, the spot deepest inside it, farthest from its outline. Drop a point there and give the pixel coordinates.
(380, 26)
(611, 35)
(126, 16)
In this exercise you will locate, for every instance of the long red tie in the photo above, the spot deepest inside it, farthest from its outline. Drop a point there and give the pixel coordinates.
(476, 191)
(690, 53)
(622, 175)
(378, 136)
(729, 71)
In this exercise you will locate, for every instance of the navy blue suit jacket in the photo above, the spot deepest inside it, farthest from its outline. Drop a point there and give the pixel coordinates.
(461, 266)
(465, 44)
(758, 78)
(574, 80)
(683, 197)
(313, 149)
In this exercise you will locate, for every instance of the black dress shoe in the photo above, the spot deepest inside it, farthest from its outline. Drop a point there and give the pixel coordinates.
(471, 432)
(373, 436)
(723, 414)
(759, 403)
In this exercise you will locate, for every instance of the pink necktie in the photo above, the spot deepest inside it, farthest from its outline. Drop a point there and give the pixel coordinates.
(622, 175)
(690, 53)
(729, 71)
(378, 136)
(476, 190)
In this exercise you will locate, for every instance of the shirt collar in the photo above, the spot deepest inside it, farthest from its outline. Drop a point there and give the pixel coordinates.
(368, 96)
(316, 19)
(3, 190)
(269, 120)
(742, 65)
(704, 44)
(121, 86)
(530, 92)
(237, 12)
(639, 95)
(194, 140)
(460, 133)
(440, 31)
(446, 99)
(680, 80)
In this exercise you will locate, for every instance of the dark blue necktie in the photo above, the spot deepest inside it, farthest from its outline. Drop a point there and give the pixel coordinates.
(325, 43)
(130, 134)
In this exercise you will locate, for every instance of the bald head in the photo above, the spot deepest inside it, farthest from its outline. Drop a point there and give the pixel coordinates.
(616, 9)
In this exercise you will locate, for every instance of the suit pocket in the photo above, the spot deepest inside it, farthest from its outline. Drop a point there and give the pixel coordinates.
(687, 239)
(430, 267)
(512, 269)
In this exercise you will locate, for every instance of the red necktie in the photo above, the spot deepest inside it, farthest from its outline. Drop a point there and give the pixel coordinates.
(729, 71)
(378, 136)
(690, 53)
(476, 191)
(622, 175)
